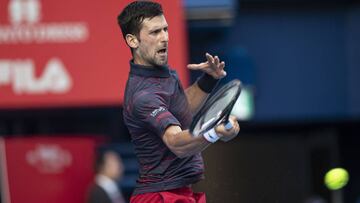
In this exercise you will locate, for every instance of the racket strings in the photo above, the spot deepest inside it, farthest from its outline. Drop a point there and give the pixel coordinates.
(216, 109)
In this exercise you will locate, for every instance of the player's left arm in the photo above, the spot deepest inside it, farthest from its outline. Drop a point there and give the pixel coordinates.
(198, 92)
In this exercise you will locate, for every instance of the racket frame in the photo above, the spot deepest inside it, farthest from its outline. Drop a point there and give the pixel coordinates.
(224, 116)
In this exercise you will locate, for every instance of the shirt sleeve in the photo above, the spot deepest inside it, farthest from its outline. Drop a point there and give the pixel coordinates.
(153, 111)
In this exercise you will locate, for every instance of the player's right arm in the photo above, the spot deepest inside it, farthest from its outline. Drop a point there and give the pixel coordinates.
(183, 144)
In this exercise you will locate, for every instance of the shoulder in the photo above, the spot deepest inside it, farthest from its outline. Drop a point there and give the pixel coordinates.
(146, 97)
(96, 194)
(95, 189)
(145, 102)
(144, 90)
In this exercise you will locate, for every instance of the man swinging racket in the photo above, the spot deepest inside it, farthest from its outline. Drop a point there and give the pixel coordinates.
(158, 112)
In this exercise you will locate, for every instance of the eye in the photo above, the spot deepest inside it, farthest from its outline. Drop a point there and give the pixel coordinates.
(155, 31)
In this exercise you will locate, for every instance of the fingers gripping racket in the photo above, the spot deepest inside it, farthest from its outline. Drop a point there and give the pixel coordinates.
(216, 109)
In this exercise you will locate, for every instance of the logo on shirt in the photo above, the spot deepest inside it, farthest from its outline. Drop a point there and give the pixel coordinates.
(157, 111)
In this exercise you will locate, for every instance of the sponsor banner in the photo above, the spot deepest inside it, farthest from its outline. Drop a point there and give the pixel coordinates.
(46, 169)
(72, 53)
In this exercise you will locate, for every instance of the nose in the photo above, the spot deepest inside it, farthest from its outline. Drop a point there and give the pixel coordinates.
(164, 36)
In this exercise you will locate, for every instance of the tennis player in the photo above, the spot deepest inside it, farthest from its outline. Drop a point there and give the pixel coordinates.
(158, 112)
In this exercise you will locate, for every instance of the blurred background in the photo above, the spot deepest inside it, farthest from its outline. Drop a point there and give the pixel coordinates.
(64, 65)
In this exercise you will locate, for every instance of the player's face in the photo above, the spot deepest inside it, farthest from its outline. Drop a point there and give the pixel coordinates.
(153, 42)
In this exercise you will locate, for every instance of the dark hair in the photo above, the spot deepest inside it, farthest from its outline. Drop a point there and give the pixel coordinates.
(100, 158)
(133, 15)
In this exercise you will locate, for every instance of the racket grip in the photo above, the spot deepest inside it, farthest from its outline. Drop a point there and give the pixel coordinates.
(228, 126)
(211, 136)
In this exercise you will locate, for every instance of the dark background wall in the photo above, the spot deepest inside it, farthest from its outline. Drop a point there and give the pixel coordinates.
(302, 57)
(270, 166)
(302, 60)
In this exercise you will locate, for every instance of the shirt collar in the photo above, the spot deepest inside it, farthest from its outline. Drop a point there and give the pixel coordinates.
(107, 184)
(149, 71)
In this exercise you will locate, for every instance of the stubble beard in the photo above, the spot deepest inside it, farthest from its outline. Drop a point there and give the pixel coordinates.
(154, 60)
(159, 61)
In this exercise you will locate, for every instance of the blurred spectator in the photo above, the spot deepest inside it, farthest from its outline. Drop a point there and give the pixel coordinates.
(0, 192)
(315, 199)
(109, 169)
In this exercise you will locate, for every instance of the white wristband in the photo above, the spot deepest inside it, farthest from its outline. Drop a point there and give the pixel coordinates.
(211, 136)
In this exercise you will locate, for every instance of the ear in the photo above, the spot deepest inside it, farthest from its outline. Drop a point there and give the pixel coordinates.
(132, 41)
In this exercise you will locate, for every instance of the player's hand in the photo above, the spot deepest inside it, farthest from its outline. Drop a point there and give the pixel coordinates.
(212, 66)
(227, 135)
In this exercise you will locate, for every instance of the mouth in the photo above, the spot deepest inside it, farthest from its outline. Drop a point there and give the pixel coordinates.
(162, 51)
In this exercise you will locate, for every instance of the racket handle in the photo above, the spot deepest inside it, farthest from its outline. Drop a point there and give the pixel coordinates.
(228, 125)
(211, 135)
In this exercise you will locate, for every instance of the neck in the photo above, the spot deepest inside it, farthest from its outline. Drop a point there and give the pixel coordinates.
(141, 62)
(137, 59)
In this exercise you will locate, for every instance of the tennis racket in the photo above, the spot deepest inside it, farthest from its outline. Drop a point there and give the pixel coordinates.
(216, 109)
